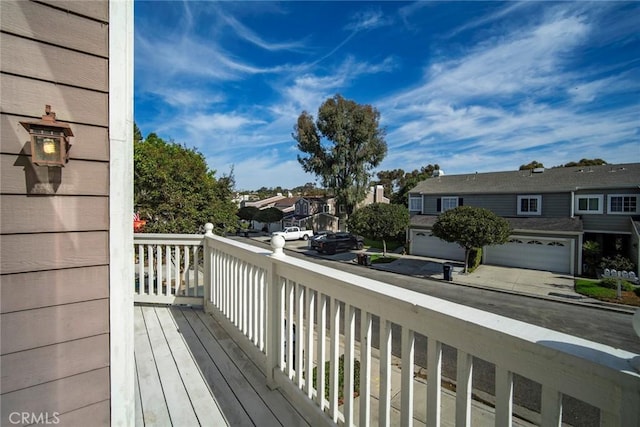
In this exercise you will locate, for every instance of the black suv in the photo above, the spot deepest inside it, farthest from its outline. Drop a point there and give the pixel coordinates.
(333, 242)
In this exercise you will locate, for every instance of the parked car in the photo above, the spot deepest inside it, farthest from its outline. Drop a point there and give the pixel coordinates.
(294, 233)
(334, 242)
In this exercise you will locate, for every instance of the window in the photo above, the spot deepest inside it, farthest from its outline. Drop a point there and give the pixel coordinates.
(326, 208)
(415, 203)
(305, 209)
(623, 204)
(589, 204)
(448, 203)
(529, 205)
(342, 209)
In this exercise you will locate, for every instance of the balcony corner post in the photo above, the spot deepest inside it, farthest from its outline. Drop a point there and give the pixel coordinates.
(273, 314)
(208, 232)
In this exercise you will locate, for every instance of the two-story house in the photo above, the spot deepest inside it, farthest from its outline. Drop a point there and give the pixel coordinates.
(551, 212)
(314, 213)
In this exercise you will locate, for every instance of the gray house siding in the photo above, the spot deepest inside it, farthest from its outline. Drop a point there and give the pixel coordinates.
(553, 204)
(54, 223)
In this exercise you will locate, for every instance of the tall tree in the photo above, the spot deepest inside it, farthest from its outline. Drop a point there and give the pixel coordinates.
(175, 191)
(533, 165)
(341, 147)
(410, 180)
(472, 228)
(379, 221)
(390, 180)
(586, 162)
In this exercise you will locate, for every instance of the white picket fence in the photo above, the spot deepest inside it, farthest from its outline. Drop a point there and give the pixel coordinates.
(266, 300)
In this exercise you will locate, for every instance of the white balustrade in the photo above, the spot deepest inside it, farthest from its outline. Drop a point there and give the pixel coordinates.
(293, 317)
(169, 269)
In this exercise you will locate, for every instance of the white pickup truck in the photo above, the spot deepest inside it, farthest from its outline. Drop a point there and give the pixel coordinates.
(294, 233)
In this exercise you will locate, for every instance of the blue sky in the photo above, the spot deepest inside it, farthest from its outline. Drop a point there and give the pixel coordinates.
(471, 86)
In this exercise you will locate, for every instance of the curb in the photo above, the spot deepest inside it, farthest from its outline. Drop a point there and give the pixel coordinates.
(593, 303)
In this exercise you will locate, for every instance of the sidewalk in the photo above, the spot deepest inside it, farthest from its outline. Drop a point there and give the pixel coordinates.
(517, 280)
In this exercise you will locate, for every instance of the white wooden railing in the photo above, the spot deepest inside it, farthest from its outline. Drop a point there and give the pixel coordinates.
(169, 268)
(266, 300)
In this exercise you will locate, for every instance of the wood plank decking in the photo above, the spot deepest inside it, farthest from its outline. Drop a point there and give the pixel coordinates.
(183, 356)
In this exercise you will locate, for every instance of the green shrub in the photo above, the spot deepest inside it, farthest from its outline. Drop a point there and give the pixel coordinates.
(356, 378)
(612, 283)
(618, 263)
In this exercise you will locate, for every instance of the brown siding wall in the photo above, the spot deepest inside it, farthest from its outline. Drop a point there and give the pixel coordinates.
(54, 223)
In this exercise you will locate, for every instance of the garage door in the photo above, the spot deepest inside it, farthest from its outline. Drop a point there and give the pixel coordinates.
(534, 253)
(424, 244)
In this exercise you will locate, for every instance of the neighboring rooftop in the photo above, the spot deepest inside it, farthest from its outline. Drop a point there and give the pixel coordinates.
(541, 180)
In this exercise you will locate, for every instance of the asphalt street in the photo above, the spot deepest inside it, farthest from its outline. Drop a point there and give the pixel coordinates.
(590, 322)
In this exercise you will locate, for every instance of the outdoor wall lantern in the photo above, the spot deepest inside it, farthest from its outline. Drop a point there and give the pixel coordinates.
(49, 140)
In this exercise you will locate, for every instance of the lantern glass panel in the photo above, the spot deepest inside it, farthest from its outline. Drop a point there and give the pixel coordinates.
(47, 150)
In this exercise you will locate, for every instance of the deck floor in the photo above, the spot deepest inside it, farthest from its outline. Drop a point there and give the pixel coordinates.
(189, 372)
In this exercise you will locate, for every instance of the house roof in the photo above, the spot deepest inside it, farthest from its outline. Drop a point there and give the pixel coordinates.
(566, 225)
(286, 202)
(552, 180)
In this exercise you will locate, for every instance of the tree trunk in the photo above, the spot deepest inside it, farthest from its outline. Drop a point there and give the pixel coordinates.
(384, 248)
(467, 251)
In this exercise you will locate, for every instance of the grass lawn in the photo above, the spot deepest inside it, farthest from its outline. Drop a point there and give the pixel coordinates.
(392, 245)
(592, 288)
(379, 259)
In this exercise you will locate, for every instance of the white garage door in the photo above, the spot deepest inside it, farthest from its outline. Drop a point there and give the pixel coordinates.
(534, 253)
(424, 244)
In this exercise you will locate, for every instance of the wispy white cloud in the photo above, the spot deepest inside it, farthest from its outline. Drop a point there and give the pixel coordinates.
(487, 108)
(509, 94)
(367, 20)
(249, 35)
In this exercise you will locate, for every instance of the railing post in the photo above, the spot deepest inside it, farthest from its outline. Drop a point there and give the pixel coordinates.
(206, 253)
(273, 314)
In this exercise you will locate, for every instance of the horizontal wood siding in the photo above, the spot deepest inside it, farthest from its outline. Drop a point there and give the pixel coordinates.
(78, 355)
(54, 222)
(606, 223)
(553, 204)
(23, 214)
(21, 253)
(41, 61)
(50, 325)
(20, 176)
(556, 205)
(39, 289)
(63, 395)
(39, 22)
(98, 10)
(27, 97)
(500, 204)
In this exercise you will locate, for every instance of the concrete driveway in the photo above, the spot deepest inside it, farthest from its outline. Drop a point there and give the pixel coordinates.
(508, 279)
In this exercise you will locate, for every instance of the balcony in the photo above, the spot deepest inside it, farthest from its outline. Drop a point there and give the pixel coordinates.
(231, 333)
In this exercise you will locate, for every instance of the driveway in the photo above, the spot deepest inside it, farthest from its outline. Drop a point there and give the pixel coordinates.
(508, 279)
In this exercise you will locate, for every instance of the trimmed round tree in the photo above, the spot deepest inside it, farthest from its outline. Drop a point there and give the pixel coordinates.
(471, 228)
(269, 215)
(379, 221)
(248, 213)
